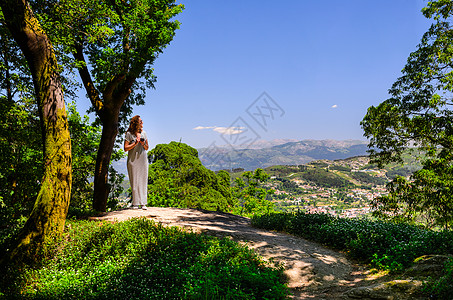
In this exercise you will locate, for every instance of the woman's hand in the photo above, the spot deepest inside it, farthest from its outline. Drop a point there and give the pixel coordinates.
(145, 144)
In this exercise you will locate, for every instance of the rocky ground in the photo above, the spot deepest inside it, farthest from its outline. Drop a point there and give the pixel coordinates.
(313, 271)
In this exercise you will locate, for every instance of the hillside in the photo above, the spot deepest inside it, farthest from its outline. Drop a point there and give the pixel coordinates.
(342, 187)
(280, 153)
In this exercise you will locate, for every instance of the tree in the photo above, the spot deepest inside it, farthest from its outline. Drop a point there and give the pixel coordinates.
(47, 218)
(249, 196)
(177, 178)
(85, 139)
(426, 198)
(418, 114)
(114, 44)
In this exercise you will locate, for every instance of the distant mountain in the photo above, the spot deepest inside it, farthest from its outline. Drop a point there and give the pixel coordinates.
(261, 144)
(121, 166)
(281, 152)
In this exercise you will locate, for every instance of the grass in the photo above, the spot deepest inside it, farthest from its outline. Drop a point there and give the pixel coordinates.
(139, 259)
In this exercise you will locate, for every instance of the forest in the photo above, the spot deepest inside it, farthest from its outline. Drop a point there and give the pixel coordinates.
(56, 166)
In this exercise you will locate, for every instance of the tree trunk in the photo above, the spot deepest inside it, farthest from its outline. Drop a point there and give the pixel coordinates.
(101, 186)
(46, 221)
(108, 110)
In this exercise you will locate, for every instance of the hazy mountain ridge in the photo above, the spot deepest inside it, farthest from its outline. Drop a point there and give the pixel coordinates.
(281, 153)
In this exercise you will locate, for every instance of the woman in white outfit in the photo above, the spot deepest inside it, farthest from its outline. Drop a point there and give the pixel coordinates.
(136, 144)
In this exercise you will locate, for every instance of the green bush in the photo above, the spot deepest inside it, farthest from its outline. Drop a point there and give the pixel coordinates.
(177, 178)
(273, 221)
(140, 259)
(442, 288)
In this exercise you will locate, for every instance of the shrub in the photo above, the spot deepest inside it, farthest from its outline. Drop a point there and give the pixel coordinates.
(442, 288)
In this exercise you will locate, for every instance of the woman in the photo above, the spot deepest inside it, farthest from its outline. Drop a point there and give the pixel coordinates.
(136, 144)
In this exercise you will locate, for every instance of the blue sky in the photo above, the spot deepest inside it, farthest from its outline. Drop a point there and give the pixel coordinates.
(321, 64)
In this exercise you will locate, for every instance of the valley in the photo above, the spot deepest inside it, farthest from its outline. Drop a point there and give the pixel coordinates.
(344, 187)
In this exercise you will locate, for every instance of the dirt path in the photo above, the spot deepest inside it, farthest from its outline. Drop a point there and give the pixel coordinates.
(314, 272)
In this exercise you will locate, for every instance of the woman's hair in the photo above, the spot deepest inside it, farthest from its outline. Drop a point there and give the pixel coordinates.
(134, 125)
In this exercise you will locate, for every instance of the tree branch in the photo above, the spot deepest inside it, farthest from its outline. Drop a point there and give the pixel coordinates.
(91, 90)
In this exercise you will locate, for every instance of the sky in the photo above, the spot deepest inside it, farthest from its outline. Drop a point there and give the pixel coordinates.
(241, 71)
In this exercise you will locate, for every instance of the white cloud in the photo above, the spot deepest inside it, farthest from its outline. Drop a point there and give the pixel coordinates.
(204, 127)
(222, 130)
(334, 106)
(229, 130)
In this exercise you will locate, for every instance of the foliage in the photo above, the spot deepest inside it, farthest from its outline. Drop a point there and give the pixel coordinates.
(319, 164)
(85, 140)
(426, 198)
(120, 40)
(280, 170)
(249, 197)
(404, 171)
(283, 170)
(139, 259)
(15, 77)
(368, 179)
(324, 178)
(384, 245)
(442, 287)
(177, 178)
(20, 158)
(418, 113)
(113, 45)
(116, 185)
(340, 168)
(288, 185)
(20, 166)
(20, 135)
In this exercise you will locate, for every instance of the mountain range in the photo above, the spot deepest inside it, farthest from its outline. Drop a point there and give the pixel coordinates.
(279, 152)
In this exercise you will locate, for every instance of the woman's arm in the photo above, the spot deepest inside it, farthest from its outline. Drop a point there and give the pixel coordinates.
(129, 145)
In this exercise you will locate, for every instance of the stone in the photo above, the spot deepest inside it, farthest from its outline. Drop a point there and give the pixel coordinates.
(392, 290)
(428, 265)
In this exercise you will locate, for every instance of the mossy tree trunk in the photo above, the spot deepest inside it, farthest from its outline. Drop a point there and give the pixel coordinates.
(46, 221)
